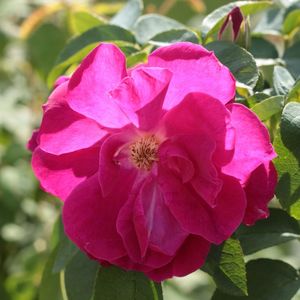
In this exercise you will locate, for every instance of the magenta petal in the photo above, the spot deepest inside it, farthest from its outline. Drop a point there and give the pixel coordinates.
(165, 234)
(59, 175)
(190, 257)
(198, 151)
(90, 220)
(34, 140)
(259, 190)
(214, 224)
(115, 166)
(200, 114)
(253, 146)
(99, 73)
(141, 96)
(194, 69)
(63, 131)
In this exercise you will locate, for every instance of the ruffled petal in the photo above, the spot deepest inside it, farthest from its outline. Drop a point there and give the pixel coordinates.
(141, 96)
(253, 146)
(88, 90)
(62, 129)
(196, 217)
(181, 151)
(200, 114)
(90, 220)
(194, 69)
(60, 174)
(260, 190)
(190, 257)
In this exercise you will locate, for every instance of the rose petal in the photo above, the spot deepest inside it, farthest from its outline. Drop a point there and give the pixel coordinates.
(141, 96)
(194, 69)
(59, 175)
(199, 150)
(90, 220)
(100, 72)
(253, 146)
(190, 257)
(200, 114)
(259, 190)
(213, 224)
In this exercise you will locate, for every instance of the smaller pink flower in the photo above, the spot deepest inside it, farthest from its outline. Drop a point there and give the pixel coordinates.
(155, 163)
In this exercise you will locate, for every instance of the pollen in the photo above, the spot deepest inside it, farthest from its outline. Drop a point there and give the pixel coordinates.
(144, 152)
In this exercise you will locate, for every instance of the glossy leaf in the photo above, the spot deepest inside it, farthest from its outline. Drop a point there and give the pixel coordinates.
(292, 59)
(287, 163)
(294, 93)
(267, 280)
(129, 14)
(150, 25)
(113, 282)
(227, 267)
(50, 287)
(174, 36)
(41, 55)
(278, 228)
(80, 277)
(291, 22)
(66, 250)
(240, 62)
(212, 23)
(283, 81)
(82, 21)
(268, 107)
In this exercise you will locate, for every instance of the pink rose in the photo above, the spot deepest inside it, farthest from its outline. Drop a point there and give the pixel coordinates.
(154, 163)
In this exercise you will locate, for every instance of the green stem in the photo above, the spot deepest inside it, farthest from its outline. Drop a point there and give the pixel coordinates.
(154, 291)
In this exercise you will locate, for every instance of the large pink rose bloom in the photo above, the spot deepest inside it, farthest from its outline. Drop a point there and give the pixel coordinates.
(155, 163)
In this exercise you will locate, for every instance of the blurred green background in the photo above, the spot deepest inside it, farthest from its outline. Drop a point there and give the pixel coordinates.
(32, 33)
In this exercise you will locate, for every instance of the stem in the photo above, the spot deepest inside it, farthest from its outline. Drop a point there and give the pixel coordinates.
(154, 291)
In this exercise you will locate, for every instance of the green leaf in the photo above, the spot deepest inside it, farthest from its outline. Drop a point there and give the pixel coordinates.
(113, 282)
(270, 22)
(66, 250)
(240, 62)
(291, 22)
(150, 25)
(260, 48)
(294, 94)
(292, 59)
(82, 21)
(278, 228)
(268, 107)
(226, 264)
(136, 58)
(80, 277)
(44, 45)
(213, 22)
(174, 36)
(287, 163)
(80, 46)
(129, 14)
(267, 280)
(50, 287)
(283, 81)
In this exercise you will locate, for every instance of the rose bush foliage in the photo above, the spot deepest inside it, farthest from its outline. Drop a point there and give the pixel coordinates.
(154, 163)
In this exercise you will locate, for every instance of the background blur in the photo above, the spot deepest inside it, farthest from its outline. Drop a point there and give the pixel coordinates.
(32, 33)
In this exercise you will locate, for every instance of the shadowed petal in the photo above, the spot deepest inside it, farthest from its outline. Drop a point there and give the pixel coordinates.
(253, 146)
(60, 174)
(90, 220)
(259, 190)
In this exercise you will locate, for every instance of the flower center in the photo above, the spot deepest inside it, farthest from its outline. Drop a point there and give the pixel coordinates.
(144, 152)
